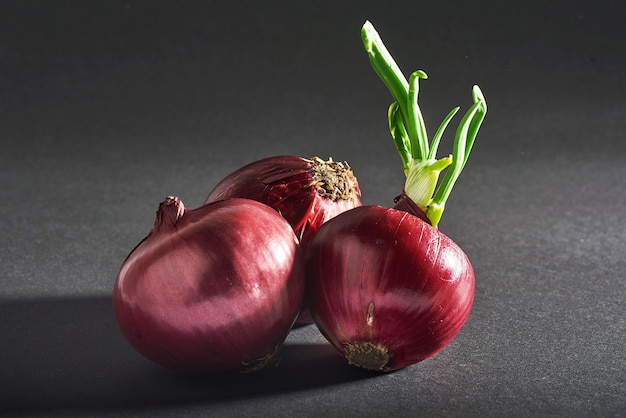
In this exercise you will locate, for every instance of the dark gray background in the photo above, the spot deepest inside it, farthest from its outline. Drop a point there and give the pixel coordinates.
(107, 107)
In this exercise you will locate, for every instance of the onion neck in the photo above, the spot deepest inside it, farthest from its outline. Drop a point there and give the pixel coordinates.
(422, 177)
(406, 204)
(408, 130)
(168, 213)
(335, 180)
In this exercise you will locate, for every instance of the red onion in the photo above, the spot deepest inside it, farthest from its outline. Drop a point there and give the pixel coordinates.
(211, 289)
(306, 192)
(385, 286)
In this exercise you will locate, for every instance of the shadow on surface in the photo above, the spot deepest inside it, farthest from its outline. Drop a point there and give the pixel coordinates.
(69, 354)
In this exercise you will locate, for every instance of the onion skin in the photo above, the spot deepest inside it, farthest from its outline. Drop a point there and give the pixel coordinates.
(386, 288)
(290, 185)
(211, 289)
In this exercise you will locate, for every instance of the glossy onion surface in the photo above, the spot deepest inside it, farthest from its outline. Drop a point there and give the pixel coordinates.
(386, 288)
(306, 192)
(211, 289)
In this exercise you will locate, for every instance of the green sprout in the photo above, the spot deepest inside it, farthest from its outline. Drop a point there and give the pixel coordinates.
(408, 130)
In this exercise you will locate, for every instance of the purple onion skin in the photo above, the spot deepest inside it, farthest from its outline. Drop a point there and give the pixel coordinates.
(385, 281)
(211, 289)
(285, 183)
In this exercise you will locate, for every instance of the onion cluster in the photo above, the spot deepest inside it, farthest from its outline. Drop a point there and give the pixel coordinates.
(286, 240)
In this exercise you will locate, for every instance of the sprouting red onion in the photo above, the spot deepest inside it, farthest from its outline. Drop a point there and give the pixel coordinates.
(211, 289)
(386, 288)
(306, 192)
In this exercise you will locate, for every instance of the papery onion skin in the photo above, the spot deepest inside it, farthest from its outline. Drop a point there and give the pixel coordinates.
(386, 288)
(211, 289)
(306, 192)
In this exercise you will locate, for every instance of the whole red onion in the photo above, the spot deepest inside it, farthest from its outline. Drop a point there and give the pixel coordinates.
(386, 288)
(306, 192)
(211, 289)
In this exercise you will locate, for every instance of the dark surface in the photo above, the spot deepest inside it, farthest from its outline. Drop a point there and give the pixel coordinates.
(108, 107)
